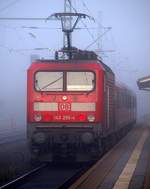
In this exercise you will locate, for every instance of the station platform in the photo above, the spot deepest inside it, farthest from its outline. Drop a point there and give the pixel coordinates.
(126, 165)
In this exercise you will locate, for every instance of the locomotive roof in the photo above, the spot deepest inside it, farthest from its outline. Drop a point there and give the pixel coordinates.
(107, 68)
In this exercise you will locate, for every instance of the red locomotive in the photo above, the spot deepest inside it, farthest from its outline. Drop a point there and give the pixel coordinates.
(75, 108)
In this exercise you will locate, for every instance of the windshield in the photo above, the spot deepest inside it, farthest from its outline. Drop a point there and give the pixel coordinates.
(80, 81)
(49, 81)
(64, 81)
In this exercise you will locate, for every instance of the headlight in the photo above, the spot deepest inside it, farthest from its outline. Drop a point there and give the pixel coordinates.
(91, 118)
(37, 117)
(39, 138)
(87, 138)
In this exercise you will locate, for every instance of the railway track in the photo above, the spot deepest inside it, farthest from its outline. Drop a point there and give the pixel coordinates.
(20, 180)
(48, 177)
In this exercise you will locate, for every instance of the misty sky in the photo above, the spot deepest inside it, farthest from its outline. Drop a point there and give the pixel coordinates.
(129, 41)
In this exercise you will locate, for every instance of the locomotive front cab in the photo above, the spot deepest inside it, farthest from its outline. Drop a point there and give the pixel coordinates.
(64, 108)
(65, 104)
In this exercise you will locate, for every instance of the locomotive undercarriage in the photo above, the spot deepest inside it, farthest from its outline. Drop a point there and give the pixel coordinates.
(71, 144)
(67, 144)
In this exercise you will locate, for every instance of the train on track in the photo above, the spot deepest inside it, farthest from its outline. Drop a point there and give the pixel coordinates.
(75, 108)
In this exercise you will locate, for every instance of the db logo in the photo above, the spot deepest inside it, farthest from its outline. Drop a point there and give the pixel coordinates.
(64, 107)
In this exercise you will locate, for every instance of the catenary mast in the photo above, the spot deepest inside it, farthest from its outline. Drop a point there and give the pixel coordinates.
(67, 22)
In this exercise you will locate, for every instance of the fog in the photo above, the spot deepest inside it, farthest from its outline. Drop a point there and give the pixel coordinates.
(128, 41)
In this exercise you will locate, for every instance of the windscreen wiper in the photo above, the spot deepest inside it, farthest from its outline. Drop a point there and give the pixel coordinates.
(49, 84)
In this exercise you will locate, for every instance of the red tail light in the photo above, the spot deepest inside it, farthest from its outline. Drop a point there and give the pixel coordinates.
(47, 118)
(82, 117)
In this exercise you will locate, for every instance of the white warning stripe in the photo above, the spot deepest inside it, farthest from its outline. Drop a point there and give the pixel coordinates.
(83, 106)
(50, 106)
(45, 106)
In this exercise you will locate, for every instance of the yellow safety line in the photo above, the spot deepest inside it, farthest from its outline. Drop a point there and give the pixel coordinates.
(127, 173)
(85, 176)
(93, 168)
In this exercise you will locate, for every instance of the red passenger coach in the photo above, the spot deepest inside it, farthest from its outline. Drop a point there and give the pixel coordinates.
(74, 108)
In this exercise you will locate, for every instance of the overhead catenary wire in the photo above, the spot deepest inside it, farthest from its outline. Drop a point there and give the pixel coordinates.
(27, 18)
(95, 19)
(33, 49)
(9, 5)
(20, 51)
(82, 21)
(31, 34)
(10, 18)
(34, 27)
(10, 50)
(41, 28)
(30, 27)
(95, 40)
(92, 36)
(84, 4)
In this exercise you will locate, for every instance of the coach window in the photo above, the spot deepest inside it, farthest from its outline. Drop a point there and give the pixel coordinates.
(49, 81)
(80, 81)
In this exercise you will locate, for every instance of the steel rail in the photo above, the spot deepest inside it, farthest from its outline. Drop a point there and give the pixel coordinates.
(20, 180)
